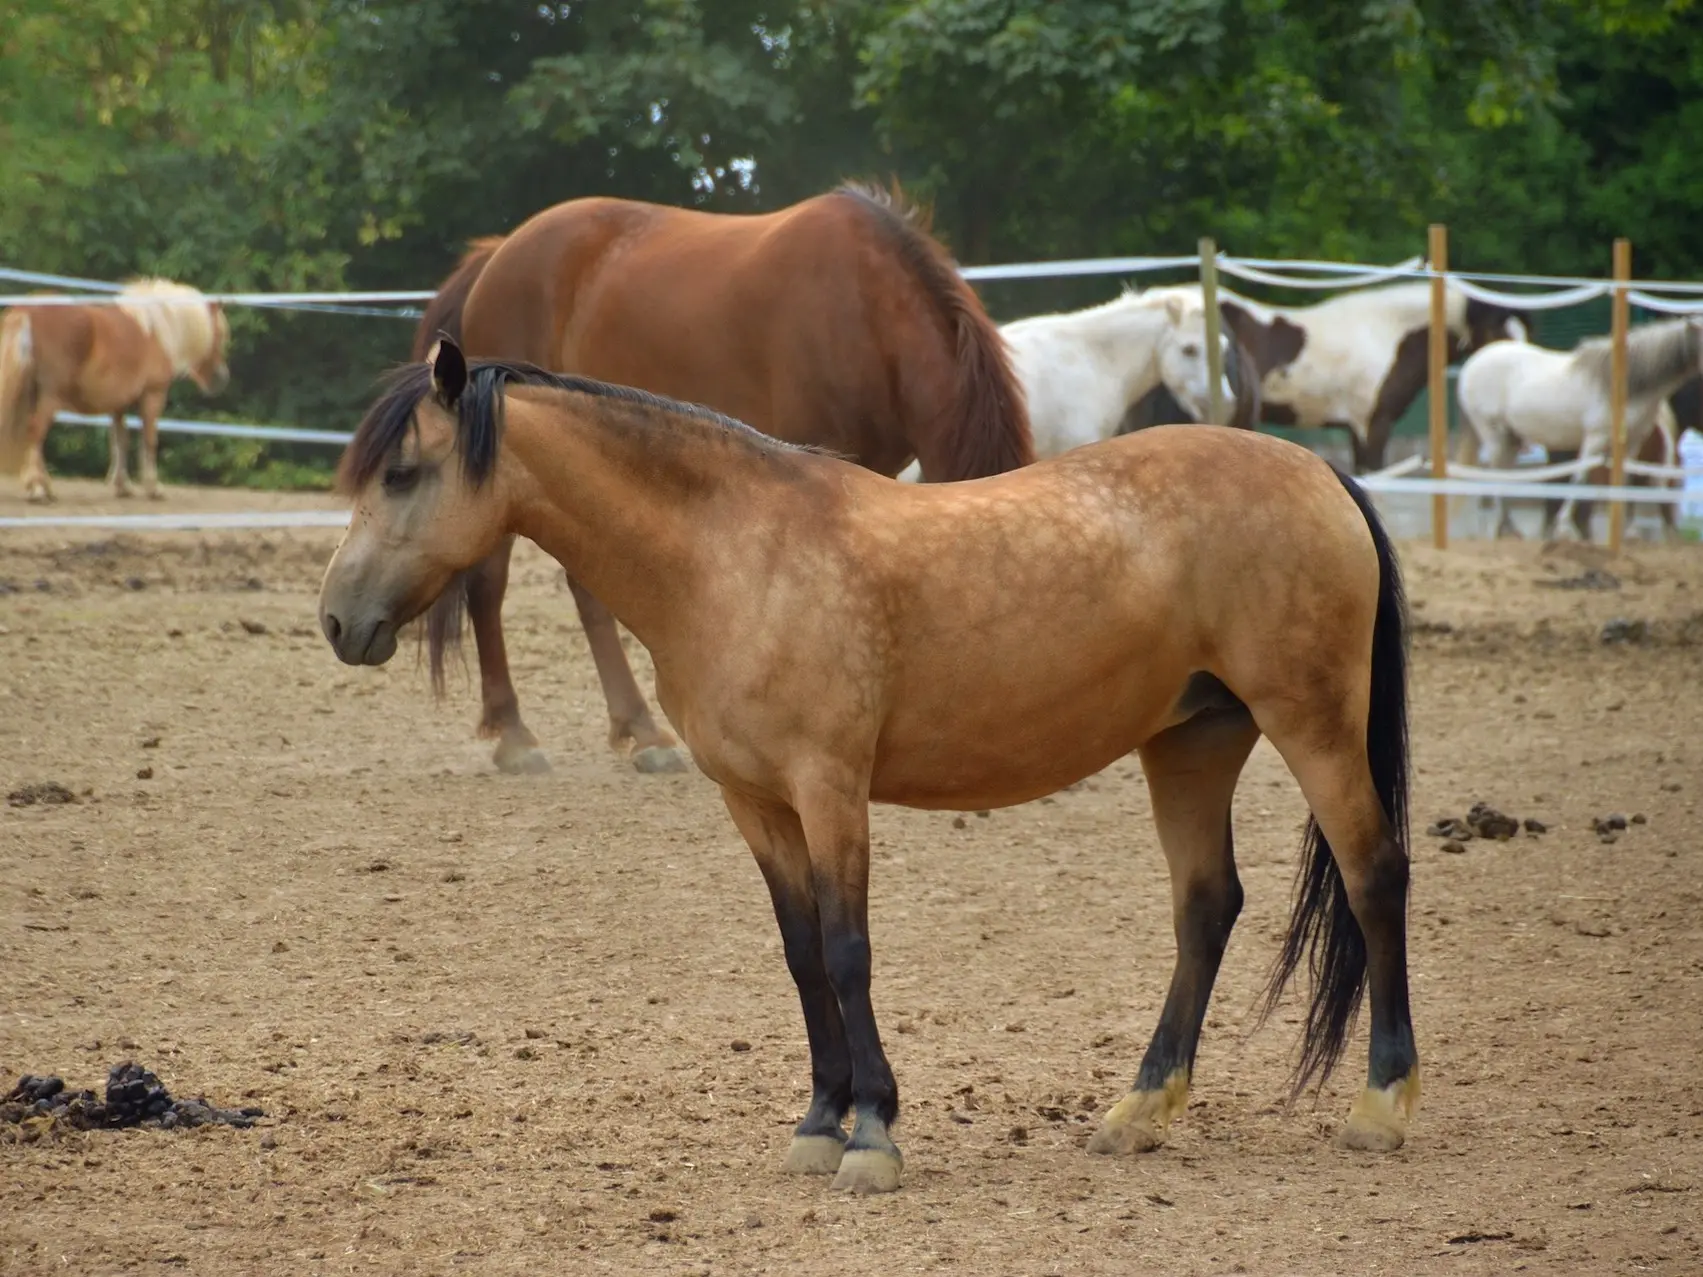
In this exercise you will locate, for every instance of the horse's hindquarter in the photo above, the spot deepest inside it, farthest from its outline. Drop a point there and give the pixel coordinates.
(94, 359)
(1045, 623)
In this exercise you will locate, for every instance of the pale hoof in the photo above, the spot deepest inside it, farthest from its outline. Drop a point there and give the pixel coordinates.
(1139, 1136)
(658, 759)
(1140, 1121)
(37, 495)
(1378, 1121)
(124, 493)
(814, 1155)
(869, 1170)
(154, 494)
(520, 760)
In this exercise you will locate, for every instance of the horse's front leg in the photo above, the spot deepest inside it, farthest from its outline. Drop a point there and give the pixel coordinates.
(118, 461)
(517, 748)
(632, 729)
(1191, 775)
(151, 407)
(835, 819)
(776, 839)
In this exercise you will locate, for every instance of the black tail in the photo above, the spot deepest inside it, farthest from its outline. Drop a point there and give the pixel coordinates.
(1322, 928)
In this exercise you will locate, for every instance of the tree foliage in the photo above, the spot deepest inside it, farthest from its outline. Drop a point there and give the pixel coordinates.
(286, 144)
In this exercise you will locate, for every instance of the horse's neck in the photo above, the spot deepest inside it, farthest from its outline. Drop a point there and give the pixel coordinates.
(175, 332)
(630, 499)
(1121, 339)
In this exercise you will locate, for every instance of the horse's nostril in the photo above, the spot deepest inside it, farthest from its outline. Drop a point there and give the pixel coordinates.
(333, 627)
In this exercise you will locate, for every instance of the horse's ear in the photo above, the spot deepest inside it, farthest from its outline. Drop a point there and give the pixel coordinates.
(449, 370)
(1174, 308)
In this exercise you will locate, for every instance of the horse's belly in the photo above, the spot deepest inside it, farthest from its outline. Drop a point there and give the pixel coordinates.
(1012, 748)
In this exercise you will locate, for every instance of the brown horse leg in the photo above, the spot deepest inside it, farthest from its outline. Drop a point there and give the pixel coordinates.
(517, 748)
(835, 818)
(152, 405)
(1334, 776)
(37, 486)
(117, 445)
(632, 730)
(1192, 770)
(777, 841)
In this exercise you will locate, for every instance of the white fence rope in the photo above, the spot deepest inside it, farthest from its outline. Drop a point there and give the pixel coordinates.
(231, 429)
(209, 522)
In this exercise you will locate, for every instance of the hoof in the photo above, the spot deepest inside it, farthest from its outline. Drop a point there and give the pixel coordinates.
(657, 759)
(37, 495)
(814, 1155)
(1378, 1121)
(1140, 1121)
(869, 1170)
(154, 494)
(520, 760)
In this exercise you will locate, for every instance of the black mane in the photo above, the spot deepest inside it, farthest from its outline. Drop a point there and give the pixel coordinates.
(479, 416)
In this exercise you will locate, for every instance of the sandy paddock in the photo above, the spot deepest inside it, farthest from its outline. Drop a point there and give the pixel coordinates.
(530, 1025)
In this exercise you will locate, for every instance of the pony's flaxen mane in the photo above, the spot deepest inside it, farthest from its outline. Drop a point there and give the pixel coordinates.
(187, 327)
(1658, 356)
(479, 417)
(443, 312)
(989, 429)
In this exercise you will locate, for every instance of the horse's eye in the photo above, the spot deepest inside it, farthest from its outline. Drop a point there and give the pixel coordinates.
(400, 479)
(1190, 351)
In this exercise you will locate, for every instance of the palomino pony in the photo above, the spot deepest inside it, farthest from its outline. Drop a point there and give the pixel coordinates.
(825, 638)
(104, 359)
(1357, 360)
(1514, 391)
(836, 323)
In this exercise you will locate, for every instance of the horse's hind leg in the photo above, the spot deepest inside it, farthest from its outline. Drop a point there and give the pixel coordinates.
(37, 486)
(1191, 770)
(118, 449)
(517, 748)
(632, 730)
(1332, 768)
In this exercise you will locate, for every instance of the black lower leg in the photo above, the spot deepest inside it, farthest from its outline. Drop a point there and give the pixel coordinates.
(1382, 914)
(830, 1061)
(1204, 921)
(846, 955)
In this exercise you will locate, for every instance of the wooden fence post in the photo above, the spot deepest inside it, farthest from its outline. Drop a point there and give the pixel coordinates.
(1438, 256)
(1214, 348)
(1617, 390)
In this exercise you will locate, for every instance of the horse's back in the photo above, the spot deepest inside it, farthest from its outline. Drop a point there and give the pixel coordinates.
(794, 321)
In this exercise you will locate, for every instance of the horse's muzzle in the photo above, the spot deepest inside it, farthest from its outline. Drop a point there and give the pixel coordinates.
(359, 642)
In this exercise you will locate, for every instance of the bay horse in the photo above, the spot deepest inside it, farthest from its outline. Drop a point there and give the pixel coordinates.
(837, 322)
(1513, 392)
(826, 638)
(1357, 360)
(104, 359)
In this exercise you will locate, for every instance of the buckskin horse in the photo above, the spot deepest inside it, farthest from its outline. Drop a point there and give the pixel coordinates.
(837, 322)
(825, 638)
(105, 359)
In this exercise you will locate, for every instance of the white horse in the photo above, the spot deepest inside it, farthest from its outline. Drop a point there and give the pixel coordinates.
(1082, 370)
(1357, 360)
(1514, 392)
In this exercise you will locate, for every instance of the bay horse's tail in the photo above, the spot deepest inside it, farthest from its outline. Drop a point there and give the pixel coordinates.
(988, 427)
(1322, 927)
(443, 312)
(17, 389)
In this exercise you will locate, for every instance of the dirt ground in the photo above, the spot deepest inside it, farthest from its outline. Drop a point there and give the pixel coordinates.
(542, 1024)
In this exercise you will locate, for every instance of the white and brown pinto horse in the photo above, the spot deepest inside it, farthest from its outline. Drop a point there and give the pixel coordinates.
(1515, 393)
(104, 359)
(825, 638)
(1082, 371)
(1357, 360)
